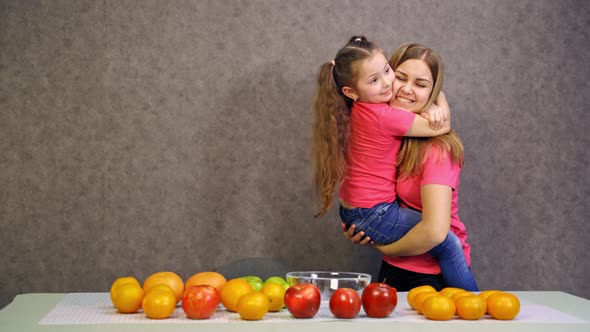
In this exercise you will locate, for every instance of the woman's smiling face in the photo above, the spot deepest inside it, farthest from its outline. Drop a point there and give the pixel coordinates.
(412, 86)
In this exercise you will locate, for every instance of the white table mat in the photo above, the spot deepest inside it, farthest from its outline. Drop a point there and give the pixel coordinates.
(96, 308)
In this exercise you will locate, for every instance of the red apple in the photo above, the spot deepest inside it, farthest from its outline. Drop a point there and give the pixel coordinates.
(379, 300)
(200, 302)
(345, 303)
(303, 300)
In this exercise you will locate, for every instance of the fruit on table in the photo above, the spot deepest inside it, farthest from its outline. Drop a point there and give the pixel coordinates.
(449, 291)
(438, 307)
(503, 305)
(420, 298)
(345, 303)
(200, 302)
(414, 291)
(127, 297)
(278, 280)
(253, 306)
(458, 295)
(170, 278)
(159, 303)
(379, 300)
(303, 300)
(254, 281)
(233, 290)
(485, 294)
(122, 280)
(471, 307)
(276, 295)
(214, 279)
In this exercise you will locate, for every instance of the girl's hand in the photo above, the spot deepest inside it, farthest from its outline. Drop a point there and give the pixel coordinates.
(359, 238)
(438, 112)
(436, 116)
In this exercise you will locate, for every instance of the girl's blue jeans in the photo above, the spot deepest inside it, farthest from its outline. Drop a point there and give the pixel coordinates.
(385, 223)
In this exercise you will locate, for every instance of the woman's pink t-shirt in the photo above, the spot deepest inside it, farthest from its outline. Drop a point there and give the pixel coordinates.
(376, 132)
(438, 169)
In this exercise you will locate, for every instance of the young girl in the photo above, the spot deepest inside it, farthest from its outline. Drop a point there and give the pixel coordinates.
(357, 136)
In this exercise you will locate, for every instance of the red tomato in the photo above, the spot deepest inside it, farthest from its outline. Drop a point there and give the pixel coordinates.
(200, 302)
(345, 303)
(379, 300)
(303, 300)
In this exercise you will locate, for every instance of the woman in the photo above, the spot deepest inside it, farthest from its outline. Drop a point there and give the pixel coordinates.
(428, 177)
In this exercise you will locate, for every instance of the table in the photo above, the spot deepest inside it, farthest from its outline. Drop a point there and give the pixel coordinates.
(24, 313)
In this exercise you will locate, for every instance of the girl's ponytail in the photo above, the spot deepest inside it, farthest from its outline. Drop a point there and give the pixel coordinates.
(330, 137)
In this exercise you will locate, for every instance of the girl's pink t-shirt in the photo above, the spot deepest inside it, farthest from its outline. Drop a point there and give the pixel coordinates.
(438, 169)
(376, 132)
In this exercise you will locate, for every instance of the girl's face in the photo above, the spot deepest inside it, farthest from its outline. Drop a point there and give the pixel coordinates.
(374, 80)
(412, 86)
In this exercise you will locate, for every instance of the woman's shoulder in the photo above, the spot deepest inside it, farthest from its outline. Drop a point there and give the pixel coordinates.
(443, 147)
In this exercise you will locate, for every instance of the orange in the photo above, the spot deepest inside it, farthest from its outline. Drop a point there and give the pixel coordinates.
(471, 307)
(421, 297)
(486, 294)
(214, 279)
(412, 293)
(253, 306)
(169, 278)
(503, 306)
(458, 295)
(162, 287)
(449, 291)
(276, 294)
(127, 297)
(158, 304)
(233, 290)
(123, 280)
(438, 307)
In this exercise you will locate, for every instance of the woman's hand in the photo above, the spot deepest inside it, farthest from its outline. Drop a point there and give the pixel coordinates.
(359, 238)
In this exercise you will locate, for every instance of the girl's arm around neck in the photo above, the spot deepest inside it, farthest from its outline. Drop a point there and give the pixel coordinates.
(422, 127)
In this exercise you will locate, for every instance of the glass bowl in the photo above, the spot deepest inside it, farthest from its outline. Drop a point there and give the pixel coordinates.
(328, 282)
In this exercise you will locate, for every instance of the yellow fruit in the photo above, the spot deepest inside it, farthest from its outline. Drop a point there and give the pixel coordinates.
(127, 298)
(253, 306)
(458, 295)
(276, 294)
(123, 280)
(233, 290)
(485, 294)
(449, 291)
(471, 307)
(161, 287)
(438, 307)
(170, 278)
(412, 293)
(420, 298)
(158, 304)
(214, 279)
(503, 306)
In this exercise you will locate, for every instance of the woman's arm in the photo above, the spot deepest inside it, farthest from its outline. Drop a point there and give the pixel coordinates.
(441, 112)
(431, 230)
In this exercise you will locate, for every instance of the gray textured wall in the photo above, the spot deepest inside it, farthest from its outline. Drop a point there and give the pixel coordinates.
(138, 136)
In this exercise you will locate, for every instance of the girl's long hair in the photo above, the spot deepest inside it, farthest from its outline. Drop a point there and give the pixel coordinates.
(331, 119)
(414, 150)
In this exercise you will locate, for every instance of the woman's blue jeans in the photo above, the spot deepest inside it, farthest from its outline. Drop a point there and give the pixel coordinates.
(387, 222)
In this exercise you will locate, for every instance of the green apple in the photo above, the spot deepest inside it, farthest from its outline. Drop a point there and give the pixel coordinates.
(278, 280)
(254, 281)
